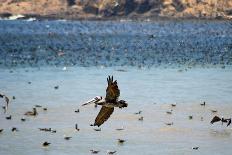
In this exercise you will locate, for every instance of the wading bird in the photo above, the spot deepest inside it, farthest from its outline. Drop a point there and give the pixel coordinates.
(108, 104)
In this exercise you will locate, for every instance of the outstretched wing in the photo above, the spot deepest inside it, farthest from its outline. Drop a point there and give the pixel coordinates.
(103, 115)
(215, 119)
(112, 91)
(229, 122)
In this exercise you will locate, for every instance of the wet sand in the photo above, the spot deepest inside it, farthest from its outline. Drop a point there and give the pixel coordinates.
(149, 90)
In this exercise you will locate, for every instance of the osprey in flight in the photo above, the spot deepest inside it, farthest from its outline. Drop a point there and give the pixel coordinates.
(108, 104)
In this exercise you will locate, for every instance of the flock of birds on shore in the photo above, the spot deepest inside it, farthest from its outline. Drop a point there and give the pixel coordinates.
(34, 113)
(108, 104)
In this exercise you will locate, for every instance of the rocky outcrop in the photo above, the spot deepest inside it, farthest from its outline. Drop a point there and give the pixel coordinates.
(76, 9)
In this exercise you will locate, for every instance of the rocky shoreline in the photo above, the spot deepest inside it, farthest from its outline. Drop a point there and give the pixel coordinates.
(150, 10)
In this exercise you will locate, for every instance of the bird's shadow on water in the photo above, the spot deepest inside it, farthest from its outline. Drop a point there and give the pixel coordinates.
(221, 133)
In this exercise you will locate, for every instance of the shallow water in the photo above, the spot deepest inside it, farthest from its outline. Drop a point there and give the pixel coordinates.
(150, 90)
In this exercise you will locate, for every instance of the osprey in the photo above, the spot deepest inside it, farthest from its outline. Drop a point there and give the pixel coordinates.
(108, 104)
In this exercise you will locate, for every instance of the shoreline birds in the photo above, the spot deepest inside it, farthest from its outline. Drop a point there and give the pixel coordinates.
(31, 113)
(76, 127)
(195, 148)
(8, 117)
(7, 100)
(94, 151)
(169, 124)
(77, 111)
(111, 152)
(137, 113)
(45, 144)
(97, 129)
(14, 129)
(67, 138)
(203, 104)
(47, 130)
(213, 111)
(223, 120)
(110, 101)
(121, 141)
(173, 105)
(140, 118)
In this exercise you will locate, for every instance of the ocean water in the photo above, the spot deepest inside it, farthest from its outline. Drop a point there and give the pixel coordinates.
(149, 90)
(114, 43)
(156, 64)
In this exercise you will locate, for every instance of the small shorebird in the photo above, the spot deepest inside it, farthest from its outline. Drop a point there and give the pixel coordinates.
(213, 111)
(111, 152)
(8, 117)
(76, 127)
(169, 124)
(77, 111)
(108, 104)
(121, 141)
(67, 138)
(140, 118)
(94, 151)
(120, 129)
(38, 106)
(195, 148)
(31, 113)
(137, 113)
(46, 144)
(56, 87)
(203, 104)
(169, 112)
(190, 117)
(173, 105)
(45, 129)
(223, 120)
(97, 129)
(14, 129)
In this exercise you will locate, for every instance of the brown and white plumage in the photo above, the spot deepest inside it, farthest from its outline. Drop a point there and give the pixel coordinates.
(111, 101)
(103, 115)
